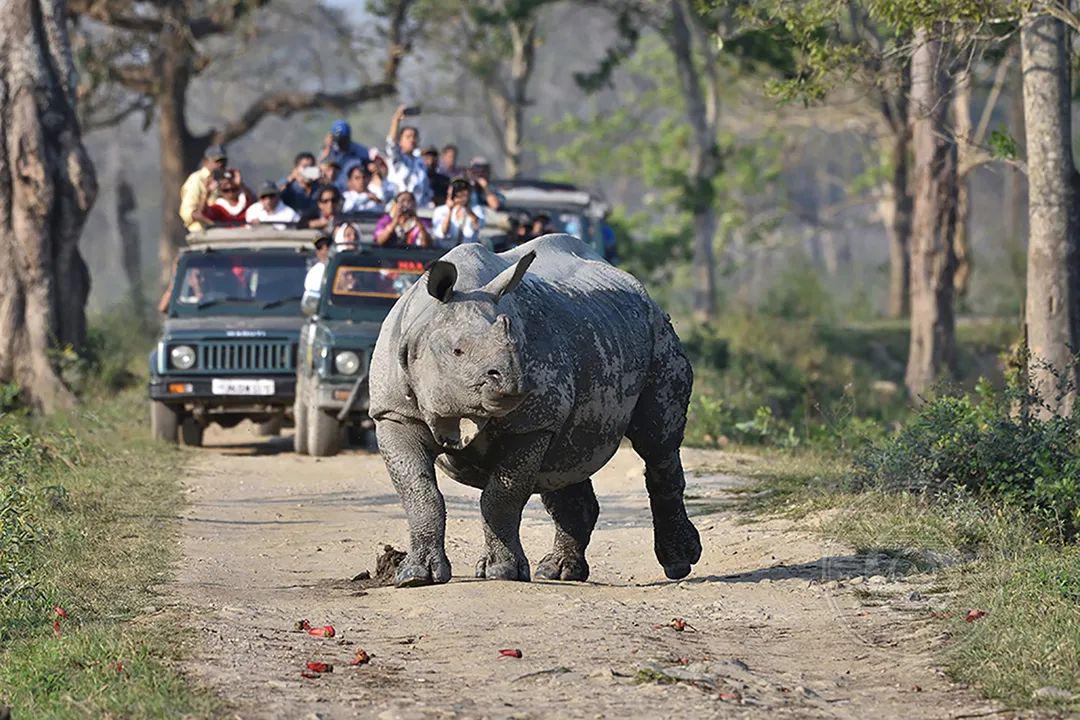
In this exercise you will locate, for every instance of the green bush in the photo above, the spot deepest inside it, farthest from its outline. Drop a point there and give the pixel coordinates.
(19, 528)
(991, 445)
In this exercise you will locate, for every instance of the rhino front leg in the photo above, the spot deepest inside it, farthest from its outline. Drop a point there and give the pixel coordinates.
(410, 463)
(508, 488)
(574, 510)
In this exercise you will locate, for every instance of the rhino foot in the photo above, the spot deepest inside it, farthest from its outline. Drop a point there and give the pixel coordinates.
(499, 569)
(563, 566)
(677, 545)
(417, 573)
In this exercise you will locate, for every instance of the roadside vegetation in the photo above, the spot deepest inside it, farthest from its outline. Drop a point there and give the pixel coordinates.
(975, 485)
(87, 531)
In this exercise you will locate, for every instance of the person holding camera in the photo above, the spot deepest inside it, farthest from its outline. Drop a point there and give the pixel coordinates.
(200, 186)
(479, 174)
(407, 168)
(401, 226)
(437, 181)
(457, 222)
(359, 197)
(301, 187)
(230, 206)
(326, 211)
(340, 148)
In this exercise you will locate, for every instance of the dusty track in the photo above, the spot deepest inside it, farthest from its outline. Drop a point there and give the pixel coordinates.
(271, 537)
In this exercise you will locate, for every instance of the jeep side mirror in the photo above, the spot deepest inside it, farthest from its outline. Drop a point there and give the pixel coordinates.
(309, 305)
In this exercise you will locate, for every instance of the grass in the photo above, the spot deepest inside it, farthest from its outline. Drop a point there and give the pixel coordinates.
(985, 554)
(96, 511)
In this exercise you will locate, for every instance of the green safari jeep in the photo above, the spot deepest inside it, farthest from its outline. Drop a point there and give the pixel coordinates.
(358, 290)
(227, 350)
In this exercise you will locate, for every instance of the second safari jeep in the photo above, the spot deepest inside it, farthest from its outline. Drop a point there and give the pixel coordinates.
(358, 290)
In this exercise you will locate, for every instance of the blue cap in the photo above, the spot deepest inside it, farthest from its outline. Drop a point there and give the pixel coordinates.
(341, 129)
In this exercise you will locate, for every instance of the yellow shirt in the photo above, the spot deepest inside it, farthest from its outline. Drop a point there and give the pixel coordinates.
(193, 197)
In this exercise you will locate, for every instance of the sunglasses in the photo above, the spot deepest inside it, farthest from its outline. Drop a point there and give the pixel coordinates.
(326, 200)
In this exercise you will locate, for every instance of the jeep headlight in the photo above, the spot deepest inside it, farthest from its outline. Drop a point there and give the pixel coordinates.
(182, 357)
(347, 362)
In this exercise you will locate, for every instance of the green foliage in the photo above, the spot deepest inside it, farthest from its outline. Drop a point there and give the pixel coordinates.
(797, 294)
(1003, 145)
(87, 503)
(19, 528)
(644, 139)
(989, 446)
(10, 396)
(1030, 636)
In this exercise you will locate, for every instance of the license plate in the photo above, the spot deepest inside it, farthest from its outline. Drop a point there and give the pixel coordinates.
(241, 387)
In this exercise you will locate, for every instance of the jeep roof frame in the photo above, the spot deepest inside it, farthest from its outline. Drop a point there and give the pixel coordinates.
(251, 237)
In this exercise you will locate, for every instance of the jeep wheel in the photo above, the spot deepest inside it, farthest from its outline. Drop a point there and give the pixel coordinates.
(300, 420)
(270, 428)
(191, 432)
(325, 433)
(164, 422)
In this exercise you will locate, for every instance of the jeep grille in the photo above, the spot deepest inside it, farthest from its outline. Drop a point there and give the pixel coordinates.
(246, 356)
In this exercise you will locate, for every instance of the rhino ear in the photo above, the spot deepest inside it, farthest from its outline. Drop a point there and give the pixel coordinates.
(441, 279)
(510, 278)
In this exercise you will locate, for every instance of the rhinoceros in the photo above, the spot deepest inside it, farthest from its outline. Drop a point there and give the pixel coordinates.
(520, 373)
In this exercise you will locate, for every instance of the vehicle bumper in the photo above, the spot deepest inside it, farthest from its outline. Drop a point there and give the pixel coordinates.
(198, 391)
(331, 395)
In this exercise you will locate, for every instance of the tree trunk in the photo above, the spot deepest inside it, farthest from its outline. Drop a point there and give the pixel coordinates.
(963, 132)
(1015, 189)
(702, 107)
(524, 39)
(47, 186)
(1051, 307)
(932, 347)
(130, 251)
(898, 221)
(180, 151)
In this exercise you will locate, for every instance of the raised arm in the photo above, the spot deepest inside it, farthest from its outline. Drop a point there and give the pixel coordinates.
(393, 150)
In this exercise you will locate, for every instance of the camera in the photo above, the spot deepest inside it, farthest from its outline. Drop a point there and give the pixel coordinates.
(311, 172)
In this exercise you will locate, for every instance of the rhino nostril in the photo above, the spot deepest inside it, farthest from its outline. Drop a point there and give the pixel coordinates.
(494, 374)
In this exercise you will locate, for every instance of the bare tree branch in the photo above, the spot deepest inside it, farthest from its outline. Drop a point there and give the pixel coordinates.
(137, 78)
(284, 104)
(98, 122)
(113, 14)
(1000, 76)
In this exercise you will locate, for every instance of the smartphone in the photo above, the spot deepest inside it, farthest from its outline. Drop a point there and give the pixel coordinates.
(411, 110)
(311, 172)
(217, 174)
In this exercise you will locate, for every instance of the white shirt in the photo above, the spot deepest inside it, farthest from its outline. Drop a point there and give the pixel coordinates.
(407, 172)
(281, 213)
(461, 230)
(360, 201)
(313, 280)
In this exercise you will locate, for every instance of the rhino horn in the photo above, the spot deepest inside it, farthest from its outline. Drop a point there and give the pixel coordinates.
(441, 279)
(510, 278)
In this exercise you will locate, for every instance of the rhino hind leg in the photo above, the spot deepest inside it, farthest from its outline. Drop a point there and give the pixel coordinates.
(656, 432)
(574, 510)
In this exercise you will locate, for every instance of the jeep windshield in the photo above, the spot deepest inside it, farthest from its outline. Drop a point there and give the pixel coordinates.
(363, 286)
(239, 283)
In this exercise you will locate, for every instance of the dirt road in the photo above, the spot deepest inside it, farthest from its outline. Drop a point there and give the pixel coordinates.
(271, 537)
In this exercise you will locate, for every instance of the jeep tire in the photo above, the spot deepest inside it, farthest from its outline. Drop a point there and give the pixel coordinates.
(325, 433)
(191, 432)
(270, 428)
(164, 422)
(300, 418)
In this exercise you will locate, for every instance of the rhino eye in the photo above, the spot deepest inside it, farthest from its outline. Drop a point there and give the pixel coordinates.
(459, 352)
